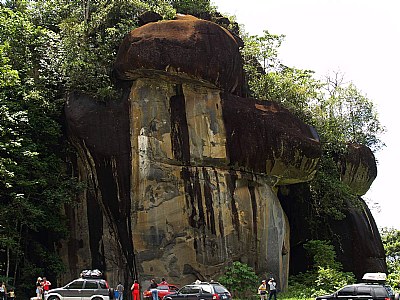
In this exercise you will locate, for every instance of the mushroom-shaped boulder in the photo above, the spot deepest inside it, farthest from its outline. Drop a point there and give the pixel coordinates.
(187, 46)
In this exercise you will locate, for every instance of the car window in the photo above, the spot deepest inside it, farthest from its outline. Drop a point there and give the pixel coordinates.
(364, 291)
(162, 287)
(219, 289)
(103, 284)
(207, 289)
(75, 284)
(173, 288)
(190, 290)
(90, 285)
(346, 291)
(381, 292)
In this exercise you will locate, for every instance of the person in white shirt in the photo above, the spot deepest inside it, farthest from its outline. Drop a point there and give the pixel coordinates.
(272, 288)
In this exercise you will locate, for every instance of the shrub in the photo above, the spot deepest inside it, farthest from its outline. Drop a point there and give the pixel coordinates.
(240, 279)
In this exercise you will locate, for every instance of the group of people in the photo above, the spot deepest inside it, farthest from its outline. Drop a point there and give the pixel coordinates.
(42, 285)
(267, 288)
(135, 288)
(4, 295)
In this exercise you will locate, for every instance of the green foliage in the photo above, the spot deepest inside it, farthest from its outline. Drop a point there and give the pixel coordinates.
(391, 243)
(240, 279)
(34, 184)
(324, 277)
(323, 254)
(192, 7)
(339, 112)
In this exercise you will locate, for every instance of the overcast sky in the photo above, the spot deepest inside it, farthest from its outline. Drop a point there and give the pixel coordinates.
(361, 39)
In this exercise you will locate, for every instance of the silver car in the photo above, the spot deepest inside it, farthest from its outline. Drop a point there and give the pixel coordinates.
(81, 289)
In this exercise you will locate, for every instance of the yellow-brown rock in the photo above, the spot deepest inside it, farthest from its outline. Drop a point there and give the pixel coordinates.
(181, 174)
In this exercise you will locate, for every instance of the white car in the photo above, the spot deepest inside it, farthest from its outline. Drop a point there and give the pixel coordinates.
(82, 289)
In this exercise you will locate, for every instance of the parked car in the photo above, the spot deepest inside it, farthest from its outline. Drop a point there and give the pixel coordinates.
(373, 289)
(163, 290)
(82, 289)
(201, 290)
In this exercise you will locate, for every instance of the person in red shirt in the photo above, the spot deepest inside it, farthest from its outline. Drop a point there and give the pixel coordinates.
(135, 290)
(46, 284)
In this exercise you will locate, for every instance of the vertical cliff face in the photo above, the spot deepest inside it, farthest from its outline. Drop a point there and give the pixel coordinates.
(181, 172)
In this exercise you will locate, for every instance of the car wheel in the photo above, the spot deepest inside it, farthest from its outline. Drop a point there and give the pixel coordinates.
(53, 298)
(97, 298)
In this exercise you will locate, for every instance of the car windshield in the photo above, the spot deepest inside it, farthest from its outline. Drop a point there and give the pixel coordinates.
(162, 287)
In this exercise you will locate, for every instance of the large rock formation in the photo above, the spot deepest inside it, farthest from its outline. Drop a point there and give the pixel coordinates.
(181, 171)
(356, 237)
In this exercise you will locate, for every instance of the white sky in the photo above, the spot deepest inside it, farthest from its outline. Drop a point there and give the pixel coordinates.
(360, 38)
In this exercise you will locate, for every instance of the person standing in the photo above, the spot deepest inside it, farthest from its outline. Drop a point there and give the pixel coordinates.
(120, 289)
(11, 294)
(46, 284)
(163, 281)
(272, 288)
(135, 288)
(3, 291)
(262, 290)
(153, 289)
(39, 288)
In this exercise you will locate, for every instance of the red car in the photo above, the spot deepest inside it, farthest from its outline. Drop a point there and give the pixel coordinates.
(163, 290)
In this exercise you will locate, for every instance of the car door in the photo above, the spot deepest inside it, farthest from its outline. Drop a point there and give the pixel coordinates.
(346, 293)
(364, 293)
(195, 293)
(186, 293)
(206, 293)
(73, 290)
(89, 289)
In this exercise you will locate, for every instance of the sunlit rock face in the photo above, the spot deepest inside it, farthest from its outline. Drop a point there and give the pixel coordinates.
(181, 171)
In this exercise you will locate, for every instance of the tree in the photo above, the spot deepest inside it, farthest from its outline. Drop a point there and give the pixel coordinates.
(391, 244)
(325, 276)
(240, 279)
(192, 7)
(339, 112)
(32, 172)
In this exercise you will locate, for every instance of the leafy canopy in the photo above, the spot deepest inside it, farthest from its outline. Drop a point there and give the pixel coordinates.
(391, 244)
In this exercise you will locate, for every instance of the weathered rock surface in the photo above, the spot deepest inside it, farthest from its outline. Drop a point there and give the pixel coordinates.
(187, 47)
(358, 168)
(181, 171)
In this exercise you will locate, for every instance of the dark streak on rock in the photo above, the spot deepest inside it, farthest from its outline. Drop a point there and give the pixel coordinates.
(254, 211)
(208, 196)
(95, 226)
(179, 128)
(231, 186)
